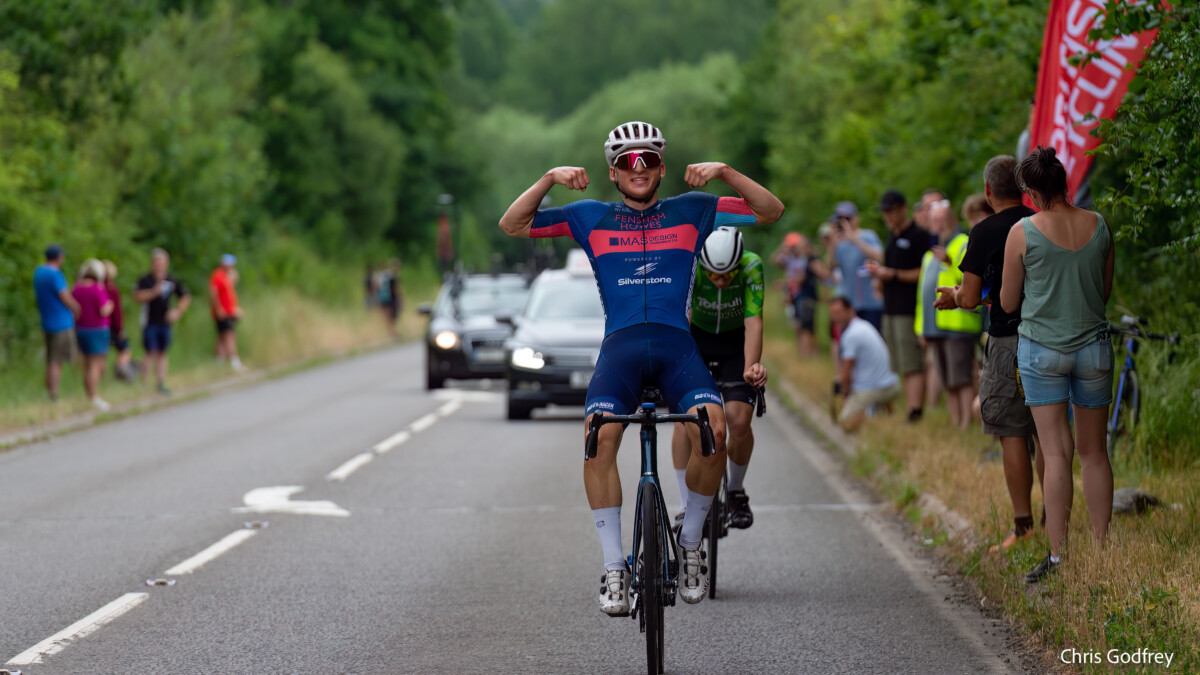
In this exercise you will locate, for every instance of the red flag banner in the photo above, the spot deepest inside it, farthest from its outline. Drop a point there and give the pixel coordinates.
(1067, 94)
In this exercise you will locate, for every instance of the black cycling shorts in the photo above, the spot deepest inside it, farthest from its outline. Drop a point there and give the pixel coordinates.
(727, 351)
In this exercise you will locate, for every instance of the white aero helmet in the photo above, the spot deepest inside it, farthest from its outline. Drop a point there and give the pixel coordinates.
(722, 250)
(632, 136)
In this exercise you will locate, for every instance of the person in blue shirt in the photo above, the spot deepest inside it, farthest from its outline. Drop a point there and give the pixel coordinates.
(853, 247)
(58, 309)
(643, 252)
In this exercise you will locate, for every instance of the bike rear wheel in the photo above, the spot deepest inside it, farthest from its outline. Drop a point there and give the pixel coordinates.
(652, 577)
(1120, 435)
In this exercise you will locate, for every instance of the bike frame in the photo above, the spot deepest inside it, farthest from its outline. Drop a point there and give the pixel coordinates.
(1130, 350)
(649, 442)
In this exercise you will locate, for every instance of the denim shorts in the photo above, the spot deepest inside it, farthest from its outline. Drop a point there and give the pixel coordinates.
(92, 341)
(1084, 376)
(156, 338)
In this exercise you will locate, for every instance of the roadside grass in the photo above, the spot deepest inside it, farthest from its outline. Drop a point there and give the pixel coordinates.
(1141, 590)
(280, 328)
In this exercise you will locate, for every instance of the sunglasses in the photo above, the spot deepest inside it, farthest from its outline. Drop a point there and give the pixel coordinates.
(648, 158)
(718, 277)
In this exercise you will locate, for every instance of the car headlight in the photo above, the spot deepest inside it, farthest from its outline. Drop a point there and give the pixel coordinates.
(446, 339)
(526, 358)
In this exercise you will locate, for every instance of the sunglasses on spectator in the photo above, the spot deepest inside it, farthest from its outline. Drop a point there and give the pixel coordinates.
(648, 158)
(718, 277)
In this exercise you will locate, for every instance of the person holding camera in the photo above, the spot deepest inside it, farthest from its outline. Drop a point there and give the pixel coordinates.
(853, 247)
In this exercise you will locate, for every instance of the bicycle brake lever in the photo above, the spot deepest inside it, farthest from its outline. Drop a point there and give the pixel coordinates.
(708, 444)
(589, 446)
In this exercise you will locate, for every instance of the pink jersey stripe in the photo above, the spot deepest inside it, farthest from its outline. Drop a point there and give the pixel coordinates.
(735, 205)
(562, 229)
(678, 237)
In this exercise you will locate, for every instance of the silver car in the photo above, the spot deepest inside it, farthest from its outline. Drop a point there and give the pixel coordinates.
(552, 351)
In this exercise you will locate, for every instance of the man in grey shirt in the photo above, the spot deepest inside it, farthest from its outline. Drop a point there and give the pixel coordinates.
(865, 373)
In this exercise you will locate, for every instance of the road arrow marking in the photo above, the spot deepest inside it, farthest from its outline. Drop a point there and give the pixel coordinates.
(278, 500)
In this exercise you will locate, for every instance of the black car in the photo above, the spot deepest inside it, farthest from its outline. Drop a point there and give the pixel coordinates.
(553, 349)
(464, 339)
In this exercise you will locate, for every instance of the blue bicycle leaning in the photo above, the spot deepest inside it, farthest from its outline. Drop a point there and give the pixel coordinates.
(1127, 403)
(654, 562)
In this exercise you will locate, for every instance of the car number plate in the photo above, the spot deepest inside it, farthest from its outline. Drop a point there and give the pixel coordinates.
(580, 379)
(489, 355)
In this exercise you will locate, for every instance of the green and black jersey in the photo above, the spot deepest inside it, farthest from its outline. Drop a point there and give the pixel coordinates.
(720, 310)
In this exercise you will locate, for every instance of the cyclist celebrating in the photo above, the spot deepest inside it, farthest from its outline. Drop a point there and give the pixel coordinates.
(727, 325)
(643, 251)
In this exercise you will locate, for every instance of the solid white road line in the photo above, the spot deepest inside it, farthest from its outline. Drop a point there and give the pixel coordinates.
(393, 441)
(78, 630)
(353, 464)
(211, 553)
(424, 423)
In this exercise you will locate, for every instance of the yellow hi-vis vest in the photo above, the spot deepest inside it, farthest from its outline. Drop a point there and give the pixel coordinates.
(968, 321)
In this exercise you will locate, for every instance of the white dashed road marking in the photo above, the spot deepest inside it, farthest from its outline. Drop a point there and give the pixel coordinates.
(211, 553)
(78, 630)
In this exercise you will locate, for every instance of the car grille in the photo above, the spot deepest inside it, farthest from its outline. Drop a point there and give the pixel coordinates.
(497, 342)
(572, 359)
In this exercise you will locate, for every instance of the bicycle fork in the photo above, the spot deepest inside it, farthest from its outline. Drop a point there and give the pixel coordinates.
(670, 562)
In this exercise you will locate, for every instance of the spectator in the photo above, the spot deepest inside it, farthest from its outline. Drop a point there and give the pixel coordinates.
(906, 245)
(58, 310)
(834, 280)
(370, 288)
(154, 291)
(802, 270)
(950, 335)
(388, 289)
(864, 374)
(853, 248)
(975, 208)
(123, 367)
(1002, 407)
(225, 310)
(1061, 260)
(92, 328)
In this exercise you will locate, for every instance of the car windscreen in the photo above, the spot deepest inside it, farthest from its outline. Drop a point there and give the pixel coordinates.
(485, 298)
(573, 299)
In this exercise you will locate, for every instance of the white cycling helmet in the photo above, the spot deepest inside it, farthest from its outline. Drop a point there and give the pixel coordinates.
(631, 136)
(722, 251)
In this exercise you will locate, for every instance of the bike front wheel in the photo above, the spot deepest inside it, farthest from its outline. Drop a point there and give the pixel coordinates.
(652, 577)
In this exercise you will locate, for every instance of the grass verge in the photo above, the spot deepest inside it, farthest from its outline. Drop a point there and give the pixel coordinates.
(281, 329)
(1141, 590)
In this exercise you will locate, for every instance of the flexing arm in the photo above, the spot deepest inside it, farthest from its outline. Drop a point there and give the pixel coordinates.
(518, 219)
(766, 207)
(1014, 270)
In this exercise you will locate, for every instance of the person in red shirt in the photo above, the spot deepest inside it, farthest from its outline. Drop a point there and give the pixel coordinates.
(225, 310)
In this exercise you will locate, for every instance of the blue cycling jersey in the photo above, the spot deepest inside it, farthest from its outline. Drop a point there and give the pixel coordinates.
(644, 261)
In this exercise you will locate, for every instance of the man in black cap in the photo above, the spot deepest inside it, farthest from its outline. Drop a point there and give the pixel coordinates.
(907, 242)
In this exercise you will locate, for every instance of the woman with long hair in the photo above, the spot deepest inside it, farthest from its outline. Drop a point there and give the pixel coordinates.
(1062, 261)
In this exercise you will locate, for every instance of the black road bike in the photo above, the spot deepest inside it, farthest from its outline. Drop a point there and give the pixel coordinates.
(654, 560)
(1127, 403)
(716, 527)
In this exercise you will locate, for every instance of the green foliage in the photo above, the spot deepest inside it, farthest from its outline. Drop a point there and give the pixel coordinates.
(575, 48)
(1154, 132)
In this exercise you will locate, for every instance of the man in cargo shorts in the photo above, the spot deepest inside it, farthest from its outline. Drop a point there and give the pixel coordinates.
(1002, 404)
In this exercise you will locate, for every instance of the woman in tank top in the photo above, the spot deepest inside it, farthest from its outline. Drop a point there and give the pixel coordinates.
(1058, 268)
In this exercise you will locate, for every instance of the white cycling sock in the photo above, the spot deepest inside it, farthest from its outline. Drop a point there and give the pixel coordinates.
(681, 480)
(608, 526)
(737, 474)
(693, 521)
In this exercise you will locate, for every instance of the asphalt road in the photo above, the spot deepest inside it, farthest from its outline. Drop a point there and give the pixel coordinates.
(462, 544)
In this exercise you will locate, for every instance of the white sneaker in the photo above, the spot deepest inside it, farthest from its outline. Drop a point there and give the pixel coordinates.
(693, 575)
(101, 404)
(614, 592)
(237, 366)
